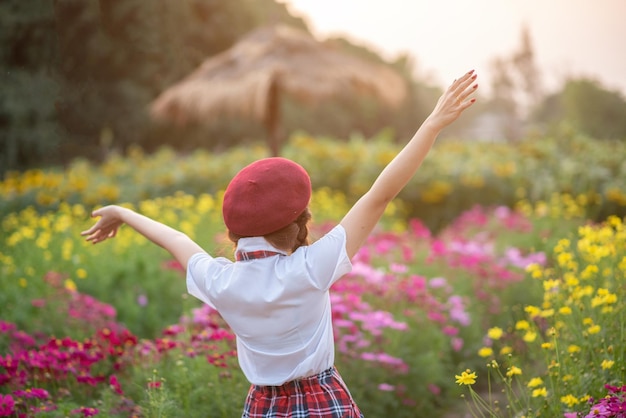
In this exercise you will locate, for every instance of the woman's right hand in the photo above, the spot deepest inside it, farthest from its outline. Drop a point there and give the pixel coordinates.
(107, 226)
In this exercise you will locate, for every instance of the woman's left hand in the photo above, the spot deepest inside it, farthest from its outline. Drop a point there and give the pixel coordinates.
(454, 101)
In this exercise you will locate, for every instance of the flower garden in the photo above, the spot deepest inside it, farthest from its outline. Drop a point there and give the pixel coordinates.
(494, 285)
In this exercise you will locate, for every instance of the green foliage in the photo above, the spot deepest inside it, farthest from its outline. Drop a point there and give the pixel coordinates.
(179, 385)
(81, 75)
(43, 260)
(456, 176)
(29, 87)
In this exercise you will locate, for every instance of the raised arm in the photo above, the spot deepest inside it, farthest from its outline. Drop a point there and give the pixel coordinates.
(112, 217)
(366, 212)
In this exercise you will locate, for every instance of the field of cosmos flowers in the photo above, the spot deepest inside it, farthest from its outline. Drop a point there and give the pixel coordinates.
(493, 286)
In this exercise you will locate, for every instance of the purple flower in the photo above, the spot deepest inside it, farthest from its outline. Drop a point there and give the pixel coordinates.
(142, 300)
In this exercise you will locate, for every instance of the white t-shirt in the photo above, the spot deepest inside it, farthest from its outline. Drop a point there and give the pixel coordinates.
(279, 306)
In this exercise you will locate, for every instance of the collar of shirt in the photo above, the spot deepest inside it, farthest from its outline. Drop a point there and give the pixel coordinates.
(251, 244)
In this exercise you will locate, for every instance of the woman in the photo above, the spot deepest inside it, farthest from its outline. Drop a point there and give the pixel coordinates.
(275, 296)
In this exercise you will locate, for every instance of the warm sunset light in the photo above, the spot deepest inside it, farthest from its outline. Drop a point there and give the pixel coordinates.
(570, 37)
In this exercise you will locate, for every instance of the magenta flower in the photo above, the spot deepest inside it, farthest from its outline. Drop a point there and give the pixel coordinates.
(7, 405)
(611, 406)
(115, 385)
(6, 326)
(34, 393)
(86, 412)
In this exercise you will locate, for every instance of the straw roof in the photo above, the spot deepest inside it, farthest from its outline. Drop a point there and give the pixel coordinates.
(246, 79)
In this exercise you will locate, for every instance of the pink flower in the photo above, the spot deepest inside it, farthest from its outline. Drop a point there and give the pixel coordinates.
(398, 268)
(142, 300)
(115, 385)
(386, 387)
(34, 393)
(86, 412)
(7, 405)
(38, 303)
(418, 229)
(6, 326)
(451, 331)
(457, 344)
(437, 282)
(434, 389)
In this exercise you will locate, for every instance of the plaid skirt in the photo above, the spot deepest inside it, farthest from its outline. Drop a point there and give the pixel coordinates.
(323, 395)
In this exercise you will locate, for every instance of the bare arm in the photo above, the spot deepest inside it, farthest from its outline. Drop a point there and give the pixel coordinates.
(366, 212)
(112, 217)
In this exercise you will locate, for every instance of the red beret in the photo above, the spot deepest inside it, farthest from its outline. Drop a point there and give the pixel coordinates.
(266, 196)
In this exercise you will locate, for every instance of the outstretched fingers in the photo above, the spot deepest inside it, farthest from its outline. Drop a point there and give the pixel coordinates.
(462, 88)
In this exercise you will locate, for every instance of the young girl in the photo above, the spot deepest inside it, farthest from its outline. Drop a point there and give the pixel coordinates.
(275, 296)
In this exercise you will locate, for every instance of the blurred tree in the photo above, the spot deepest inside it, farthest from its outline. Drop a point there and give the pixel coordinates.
(343, 117)
(77, 75)
(516, 87)
(143, 47)
(526, 72)
(588, 107)
(28, 129)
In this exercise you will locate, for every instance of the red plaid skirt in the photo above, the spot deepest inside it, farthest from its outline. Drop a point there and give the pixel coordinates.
(323, 395)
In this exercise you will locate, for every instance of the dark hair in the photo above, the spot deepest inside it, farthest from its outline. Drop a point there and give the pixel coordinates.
(289, 238)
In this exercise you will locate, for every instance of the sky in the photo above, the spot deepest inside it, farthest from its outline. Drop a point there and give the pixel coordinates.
(445, 38)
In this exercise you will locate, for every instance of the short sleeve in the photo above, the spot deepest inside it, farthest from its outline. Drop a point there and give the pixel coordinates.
(327, 259)
(197, 276)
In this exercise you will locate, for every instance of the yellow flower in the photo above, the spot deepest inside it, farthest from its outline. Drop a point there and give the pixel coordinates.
(565, 310)
(564, 259)
(569, 400)
(530, 336)
(485, 352)
(589, 272)
(607, 364)
(568, 377)
(546, 313)
(532, 311)
(573, 349)
(562, 245)
(547, 346)
(535, 270)
(466, 378)
(70, 285)
(81, 273)
(495, 333)
(523, 324)
(22, 282)
(594, 329)
(534, 382)
(513, 371)
(506, 350)
(551, 285)
(540, 392)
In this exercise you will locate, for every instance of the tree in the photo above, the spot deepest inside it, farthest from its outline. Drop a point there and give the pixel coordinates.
(29, 131)
(516, 87)
(588, 107)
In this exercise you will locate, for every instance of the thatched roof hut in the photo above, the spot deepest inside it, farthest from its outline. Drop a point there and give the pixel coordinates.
(248, 79)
